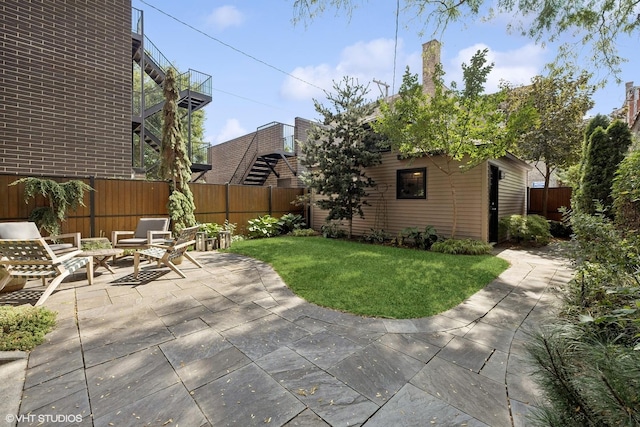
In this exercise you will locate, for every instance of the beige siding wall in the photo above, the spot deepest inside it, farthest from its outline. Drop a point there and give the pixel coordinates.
(391, 214)
(512, 192)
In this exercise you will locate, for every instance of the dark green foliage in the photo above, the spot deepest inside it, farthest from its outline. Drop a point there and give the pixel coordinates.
(332, 230)
(530, 229)
(626, 193)
(417, 238)
(24, 327)
(462, 247)
(338, 151)
(607, 277)
(605, 151)
(560, 229)
(591, 381)
(375, 236)
(290, 222)
(589, 362)
(599, 120)
(61, 198)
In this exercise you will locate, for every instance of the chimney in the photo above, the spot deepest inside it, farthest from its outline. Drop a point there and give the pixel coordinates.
(430, 57)
(631, 102)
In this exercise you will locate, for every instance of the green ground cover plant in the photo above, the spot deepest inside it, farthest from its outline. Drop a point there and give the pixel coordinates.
(373, 280)
(23, 328)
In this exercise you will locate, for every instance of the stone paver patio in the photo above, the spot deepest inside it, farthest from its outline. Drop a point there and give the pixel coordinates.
(231, 345)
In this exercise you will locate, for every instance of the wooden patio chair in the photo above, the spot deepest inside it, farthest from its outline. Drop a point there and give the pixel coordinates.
(33, 258)
(29, 230)
(165, 254)
(148, 231)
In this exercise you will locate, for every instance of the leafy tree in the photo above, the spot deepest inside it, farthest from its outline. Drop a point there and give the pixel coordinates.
(595, 23)
(459, 125)
(626, 193)
(556, 104)
(605, 151)
(338, 151)
(573, 174)
(175, 165)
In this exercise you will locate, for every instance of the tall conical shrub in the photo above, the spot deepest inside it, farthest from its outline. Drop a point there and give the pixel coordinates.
(175, 165)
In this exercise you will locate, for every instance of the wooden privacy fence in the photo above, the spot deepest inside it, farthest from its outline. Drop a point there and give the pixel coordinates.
(117, 204)
(558, 197)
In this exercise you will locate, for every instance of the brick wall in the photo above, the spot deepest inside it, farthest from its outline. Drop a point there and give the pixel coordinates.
(65, 87)
(225, 158)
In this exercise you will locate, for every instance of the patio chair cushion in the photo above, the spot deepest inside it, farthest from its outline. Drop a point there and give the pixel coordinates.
(149, 224)
(134, 242)
(29, 230)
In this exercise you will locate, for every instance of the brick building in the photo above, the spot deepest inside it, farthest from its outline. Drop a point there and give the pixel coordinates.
(66, 90)
(268, 156)
(65, 87)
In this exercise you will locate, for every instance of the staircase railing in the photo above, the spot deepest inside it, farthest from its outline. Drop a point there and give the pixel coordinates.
(248, 158)
(154, 53)
(136, 20)
(200, 152)
(195, 81)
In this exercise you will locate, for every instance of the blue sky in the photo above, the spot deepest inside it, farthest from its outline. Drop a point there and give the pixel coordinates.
(252, 50)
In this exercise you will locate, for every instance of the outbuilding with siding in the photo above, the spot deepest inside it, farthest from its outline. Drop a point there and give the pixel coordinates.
(417, 193)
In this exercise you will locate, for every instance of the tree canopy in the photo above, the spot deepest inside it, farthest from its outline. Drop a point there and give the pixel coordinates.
(554, 106)
(606, 149)
(595, 23)
(339, 149)
(464, 125)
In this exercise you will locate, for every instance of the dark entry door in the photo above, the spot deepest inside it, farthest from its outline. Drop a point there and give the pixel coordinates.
(494, 177)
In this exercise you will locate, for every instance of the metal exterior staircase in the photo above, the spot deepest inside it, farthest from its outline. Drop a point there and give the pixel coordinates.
(195, 93)
(271, 143)
(264, 165)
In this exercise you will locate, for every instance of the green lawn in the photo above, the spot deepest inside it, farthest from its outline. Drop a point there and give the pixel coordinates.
(373, 280)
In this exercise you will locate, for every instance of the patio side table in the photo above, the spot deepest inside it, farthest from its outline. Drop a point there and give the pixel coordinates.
(100, 257)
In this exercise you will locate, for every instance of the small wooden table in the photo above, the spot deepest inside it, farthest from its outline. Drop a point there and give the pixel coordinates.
(100, 257)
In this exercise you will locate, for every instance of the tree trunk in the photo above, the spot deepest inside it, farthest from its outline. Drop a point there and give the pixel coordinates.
(545, 191)
(454, 205)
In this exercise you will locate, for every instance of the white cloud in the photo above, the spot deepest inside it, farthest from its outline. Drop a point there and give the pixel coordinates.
(370, 60)
(515, 66)
(225, 17)
(231, 129)
(363, 61)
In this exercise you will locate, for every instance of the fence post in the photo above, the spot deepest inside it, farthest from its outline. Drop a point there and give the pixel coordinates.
(92, 206)
(270, 200)
(226, 202)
